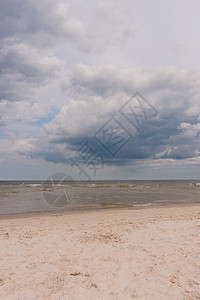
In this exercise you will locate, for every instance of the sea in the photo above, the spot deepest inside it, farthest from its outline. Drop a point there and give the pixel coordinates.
(36, 196)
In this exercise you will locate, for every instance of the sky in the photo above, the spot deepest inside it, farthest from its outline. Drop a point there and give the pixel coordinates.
(100, 89)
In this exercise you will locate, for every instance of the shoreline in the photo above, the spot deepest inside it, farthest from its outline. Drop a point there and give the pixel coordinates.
(85, 211)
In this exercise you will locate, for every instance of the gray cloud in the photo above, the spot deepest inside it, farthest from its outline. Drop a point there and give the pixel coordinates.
(24, 71)
(31, 31)
(35, 40)
(29, 34)
(98, 93)
(38, 21)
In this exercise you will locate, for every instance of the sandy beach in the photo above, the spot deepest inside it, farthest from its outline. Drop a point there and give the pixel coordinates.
(151, 253)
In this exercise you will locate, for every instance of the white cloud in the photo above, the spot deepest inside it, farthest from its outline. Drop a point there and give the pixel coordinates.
(190, 130)
(15, 145)
(108, 23)
(23, 111)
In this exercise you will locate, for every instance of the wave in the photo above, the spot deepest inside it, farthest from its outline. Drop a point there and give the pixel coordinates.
(33, 184)
(146, 204)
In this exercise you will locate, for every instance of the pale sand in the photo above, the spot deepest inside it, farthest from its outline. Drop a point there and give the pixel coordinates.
(107, 254)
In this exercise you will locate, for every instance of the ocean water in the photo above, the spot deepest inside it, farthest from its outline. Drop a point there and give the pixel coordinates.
(23, 197)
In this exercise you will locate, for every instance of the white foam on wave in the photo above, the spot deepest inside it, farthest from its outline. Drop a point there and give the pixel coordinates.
(34, 184)
(146, 204)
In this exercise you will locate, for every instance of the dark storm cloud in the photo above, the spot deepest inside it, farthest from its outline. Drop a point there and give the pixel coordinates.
(98, 94)
(30, 31)
(50, 155)
(31, 35)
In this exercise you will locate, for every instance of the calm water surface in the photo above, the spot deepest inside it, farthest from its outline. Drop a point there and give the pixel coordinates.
(19, 197)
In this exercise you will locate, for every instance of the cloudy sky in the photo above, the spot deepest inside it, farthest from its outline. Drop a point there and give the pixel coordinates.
(100, 89)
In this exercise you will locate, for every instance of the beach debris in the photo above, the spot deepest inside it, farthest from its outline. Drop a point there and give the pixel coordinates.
(79, 274)
(175, 280)
(76, 274)
(1, 281)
